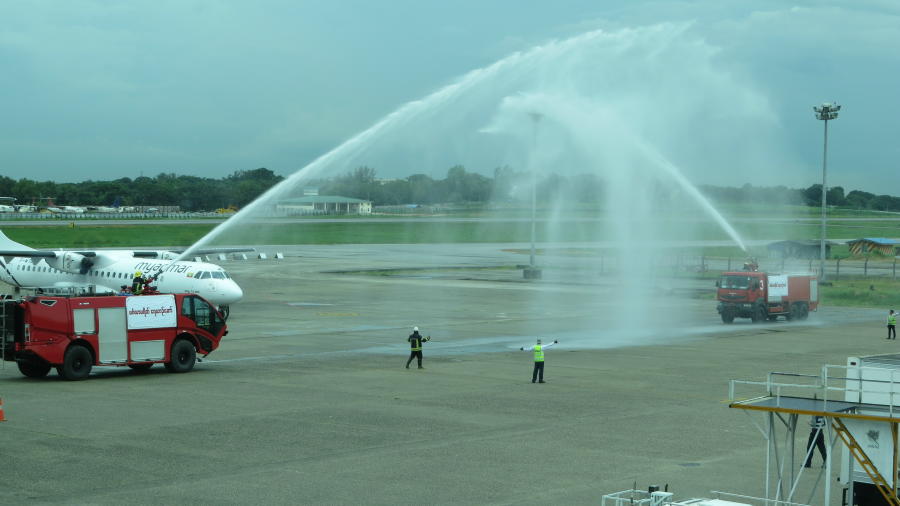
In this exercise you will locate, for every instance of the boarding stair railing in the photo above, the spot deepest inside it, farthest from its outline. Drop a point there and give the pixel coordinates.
(645, 498)
(851, 386)
(874, 388)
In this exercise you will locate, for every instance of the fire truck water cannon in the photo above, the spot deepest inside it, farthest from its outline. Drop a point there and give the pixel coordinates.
(74, 334)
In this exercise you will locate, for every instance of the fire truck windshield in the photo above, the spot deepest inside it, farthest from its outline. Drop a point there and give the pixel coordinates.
(203, 314)
(736, 282)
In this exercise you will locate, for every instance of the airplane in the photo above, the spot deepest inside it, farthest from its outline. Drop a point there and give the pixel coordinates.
(107, 270)
(8, 208)
(102, 209)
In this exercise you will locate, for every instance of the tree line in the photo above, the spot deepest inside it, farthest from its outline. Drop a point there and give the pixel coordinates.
(508, 185)
(192, 193)
(811, 196)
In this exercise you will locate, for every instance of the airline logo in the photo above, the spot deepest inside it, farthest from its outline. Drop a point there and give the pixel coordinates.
(778, 287)
(149, 268)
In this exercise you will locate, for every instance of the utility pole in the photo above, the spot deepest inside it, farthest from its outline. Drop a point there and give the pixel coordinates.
(532, 272)
(826, 111)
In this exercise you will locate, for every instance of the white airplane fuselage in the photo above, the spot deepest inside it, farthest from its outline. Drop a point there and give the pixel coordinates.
(113, 269)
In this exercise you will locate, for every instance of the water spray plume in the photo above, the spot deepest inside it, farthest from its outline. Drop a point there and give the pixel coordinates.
(357, 143)
(692, 190)
(642, 111)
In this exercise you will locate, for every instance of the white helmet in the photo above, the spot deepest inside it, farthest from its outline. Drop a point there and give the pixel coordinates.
(415, 329)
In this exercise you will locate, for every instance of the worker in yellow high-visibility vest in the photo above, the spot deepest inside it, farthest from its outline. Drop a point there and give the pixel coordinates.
(892, 325)
(538, 373)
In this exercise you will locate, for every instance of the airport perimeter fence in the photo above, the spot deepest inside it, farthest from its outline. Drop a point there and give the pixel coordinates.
(835, 268)
(13, 217)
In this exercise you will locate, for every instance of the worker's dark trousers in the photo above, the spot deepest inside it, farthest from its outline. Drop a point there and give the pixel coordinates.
(538, 368)
(819, 441)
(892, 331)
(415, 354)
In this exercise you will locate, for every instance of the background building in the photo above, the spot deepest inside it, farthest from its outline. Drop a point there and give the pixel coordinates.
(798, 249)
(866, 245)
(323, 204)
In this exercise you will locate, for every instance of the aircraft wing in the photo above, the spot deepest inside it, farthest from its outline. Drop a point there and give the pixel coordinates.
(32, 254)
(38, 253)
(205, 251)
(69, 261)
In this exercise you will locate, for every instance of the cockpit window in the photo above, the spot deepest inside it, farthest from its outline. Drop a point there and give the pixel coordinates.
(202, 275)
(218, 275)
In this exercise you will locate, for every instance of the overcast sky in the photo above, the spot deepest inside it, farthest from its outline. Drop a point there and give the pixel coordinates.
(107, 89)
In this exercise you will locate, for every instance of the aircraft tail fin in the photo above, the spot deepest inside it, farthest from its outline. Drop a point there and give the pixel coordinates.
(8, 244)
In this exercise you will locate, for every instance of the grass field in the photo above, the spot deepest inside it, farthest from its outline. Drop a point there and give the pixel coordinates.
(313, 231)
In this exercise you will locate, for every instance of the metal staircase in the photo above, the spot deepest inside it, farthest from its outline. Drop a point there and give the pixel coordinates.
(860, 455)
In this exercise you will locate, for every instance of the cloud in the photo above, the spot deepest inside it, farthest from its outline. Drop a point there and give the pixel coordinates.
(206, 87)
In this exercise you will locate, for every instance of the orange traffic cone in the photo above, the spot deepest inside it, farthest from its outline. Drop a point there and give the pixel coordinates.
(2, 417)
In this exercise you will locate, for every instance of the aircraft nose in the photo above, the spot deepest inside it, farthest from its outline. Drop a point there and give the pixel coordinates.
(231, 293)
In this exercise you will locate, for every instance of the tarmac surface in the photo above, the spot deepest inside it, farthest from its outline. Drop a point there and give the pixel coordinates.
(307, 400)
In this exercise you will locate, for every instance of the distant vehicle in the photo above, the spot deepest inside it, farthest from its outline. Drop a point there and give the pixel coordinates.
(72, 209)
(10, 205)
(760, 296)
(26, 209)
(151, 210)
(102, 209)
(74, 334)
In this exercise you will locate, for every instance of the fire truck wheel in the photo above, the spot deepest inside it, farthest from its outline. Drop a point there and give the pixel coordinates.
(183, 356)
(803, 312)
(33, 368)
(77, 363)
(727, 317)
(760, 315)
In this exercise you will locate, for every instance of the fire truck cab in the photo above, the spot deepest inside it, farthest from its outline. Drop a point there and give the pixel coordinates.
(73, 334)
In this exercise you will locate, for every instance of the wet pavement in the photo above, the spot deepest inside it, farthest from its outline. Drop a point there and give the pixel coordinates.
(308, 401)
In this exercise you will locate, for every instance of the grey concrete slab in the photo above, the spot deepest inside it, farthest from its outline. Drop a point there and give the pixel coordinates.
(307, 400)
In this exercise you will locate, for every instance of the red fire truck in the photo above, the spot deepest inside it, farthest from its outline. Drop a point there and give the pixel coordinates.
(760, 296)
(74, 334)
